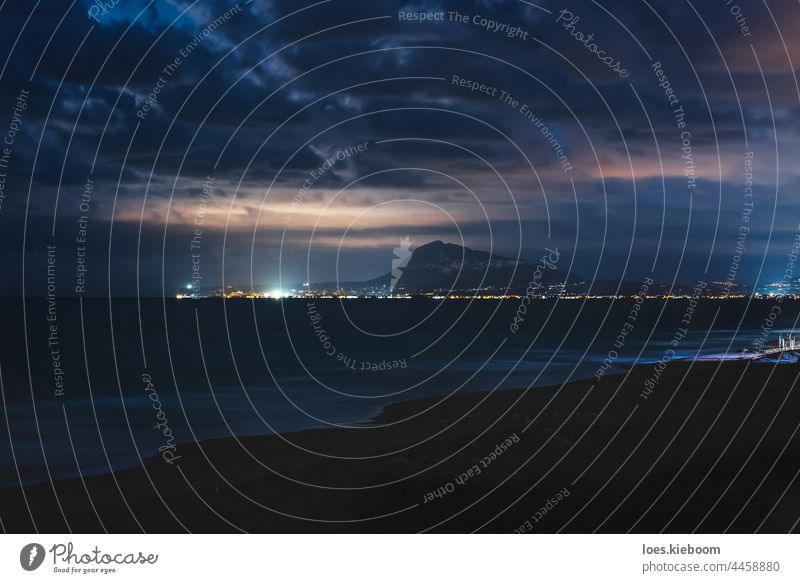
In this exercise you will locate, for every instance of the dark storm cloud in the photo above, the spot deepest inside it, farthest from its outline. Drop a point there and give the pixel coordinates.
(277, 87)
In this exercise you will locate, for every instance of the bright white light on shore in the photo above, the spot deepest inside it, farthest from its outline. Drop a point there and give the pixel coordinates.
(189, 286)
(276, 294)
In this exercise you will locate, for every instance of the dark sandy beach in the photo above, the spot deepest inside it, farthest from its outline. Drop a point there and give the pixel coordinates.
(583, 457)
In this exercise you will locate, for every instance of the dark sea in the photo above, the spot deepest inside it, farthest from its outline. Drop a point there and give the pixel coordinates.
(92, 385)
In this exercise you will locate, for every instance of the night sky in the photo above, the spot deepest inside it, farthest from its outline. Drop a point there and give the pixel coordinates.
(282, 141)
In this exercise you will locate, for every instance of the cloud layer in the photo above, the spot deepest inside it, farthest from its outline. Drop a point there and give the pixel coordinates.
(288, 138)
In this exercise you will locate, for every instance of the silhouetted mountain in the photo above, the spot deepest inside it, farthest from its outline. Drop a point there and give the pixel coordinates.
(439, 266)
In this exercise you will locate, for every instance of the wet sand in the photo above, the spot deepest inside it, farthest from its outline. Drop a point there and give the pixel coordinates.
(714, 447)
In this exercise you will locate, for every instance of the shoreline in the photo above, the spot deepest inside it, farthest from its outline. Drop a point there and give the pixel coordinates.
(383, 414)
(578, 437)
